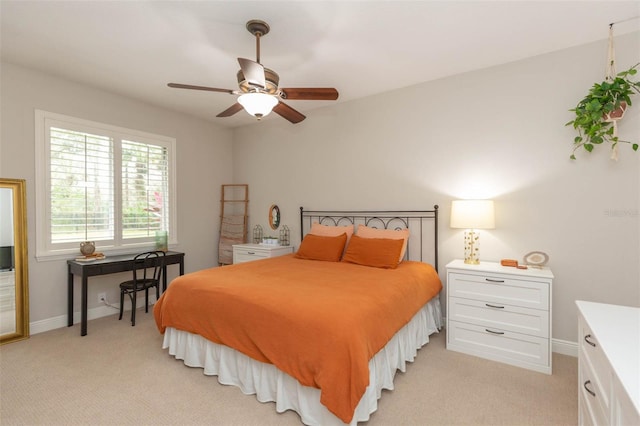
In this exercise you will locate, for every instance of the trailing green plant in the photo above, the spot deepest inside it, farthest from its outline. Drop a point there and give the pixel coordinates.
(591, 120)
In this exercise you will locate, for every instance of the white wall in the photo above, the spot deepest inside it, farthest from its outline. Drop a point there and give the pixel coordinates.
(203, 163)
(496, 133)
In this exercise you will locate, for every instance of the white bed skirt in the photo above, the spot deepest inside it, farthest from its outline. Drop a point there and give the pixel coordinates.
(272, 385)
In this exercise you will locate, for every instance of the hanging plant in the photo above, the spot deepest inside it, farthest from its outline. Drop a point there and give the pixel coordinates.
(598, 113)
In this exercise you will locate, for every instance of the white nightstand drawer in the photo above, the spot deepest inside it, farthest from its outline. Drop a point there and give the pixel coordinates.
(500, 289)
(246, 257)
(499, 345)
(505, 317)
(249, 252)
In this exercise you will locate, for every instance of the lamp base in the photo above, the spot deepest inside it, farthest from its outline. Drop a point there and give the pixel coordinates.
(471, 247)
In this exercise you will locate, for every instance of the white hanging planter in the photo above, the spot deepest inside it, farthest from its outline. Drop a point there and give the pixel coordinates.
(596, 120)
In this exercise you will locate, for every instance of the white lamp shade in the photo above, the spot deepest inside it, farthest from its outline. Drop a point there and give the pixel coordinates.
(472, 214)
(258, 104)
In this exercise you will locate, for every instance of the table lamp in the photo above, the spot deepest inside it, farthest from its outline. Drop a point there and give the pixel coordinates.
(472, 215)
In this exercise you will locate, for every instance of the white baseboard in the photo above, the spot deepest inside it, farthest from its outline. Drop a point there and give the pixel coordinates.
(564, 347)
(93, 313)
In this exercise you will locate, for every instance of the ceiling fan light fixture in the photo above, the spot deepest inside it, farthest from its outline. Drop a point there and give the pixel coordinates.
(258, 104)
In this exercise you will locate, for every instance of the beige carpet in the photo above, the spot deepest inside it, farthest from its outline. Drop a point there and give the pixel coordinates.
(119, 375)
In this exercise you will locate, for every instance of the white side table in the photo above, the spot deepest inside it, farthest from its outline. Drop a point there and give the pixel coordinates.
(248, 252)
(500, 313)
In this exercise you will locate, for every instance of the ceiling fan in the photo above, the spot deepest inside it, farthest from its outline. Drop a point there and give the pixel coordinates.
(258, 87)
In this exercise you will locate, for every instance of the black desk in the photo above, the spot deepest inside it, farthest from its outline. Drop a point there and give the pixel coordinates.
(109, 265)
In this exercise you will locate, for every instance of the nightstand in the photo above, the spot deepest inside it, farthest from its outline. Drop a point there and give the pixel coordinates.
(248, 252)
(500, 313)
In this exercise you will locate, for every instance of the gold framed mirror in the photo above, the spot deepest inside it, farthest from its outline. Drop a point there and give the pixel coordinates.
(274, 216)
(14, 266)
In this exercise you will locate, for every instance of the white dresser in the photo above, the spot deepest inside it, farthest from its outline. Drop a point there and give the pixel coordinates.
(248, 252)
(500, 313)
(608, 364)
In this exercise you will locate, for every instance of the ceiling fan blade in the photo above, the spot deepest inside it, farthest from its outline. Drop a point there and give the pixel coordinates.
(287, 112)
(253, 72)
(189, 86)
(312, 94)
(231, 110)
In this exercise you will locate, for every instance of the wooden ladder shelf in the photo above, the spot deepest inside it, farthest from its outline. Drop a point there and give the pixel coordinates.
(234, 204)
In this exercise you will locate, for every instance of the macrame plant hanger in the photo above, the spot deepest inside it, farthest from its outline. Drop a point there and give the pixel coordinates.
(610, 76)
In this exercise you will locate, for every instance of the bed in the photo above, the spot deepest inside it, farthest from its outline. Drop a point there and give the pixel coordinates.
(322, 331)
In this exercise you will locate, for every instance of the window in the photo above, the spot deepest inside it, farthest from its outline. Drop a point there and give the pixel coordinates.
(101, 183)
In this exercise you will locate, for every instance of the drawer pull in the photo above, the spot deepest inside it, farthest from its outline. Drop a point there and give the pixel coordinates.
(592, 393)
(494, 281)
(494, 306)
(493, 332)
(251, 252)
(586, 339)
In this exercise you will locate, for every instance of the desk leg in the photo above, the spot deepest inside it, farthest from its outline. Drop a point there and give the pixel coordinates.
(83, 329)
(70, 299)
(164, 278)
(164, 274)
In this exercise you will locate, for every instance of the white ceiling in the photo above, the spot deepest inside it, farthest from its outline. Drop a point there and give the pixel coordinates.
(362, 48)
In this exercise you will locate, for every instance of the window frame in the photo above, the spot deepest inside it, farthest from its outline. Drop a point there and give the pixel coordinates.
(44, 120)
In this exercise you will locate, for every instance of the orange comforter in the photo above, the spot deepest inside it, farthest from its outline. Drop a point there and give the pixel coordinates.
(320, 322)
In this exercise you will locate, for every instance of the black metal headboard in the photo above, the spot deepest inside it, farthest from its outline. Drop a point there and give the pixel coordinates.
(422, 226)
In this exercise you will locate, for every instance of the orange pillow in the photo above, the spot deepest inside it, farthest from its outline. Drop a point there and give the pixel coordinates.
(393, 234)
(316, 247)
(376, 252)
(331, 231)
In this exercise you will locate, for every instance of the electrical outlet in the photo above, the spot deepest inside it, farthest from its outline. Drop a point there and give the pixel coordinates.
(102, 297)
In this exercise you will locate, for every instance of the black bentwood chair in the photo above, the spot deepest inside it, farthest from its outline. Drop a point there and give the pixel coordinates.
(147, 269)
